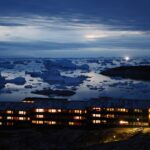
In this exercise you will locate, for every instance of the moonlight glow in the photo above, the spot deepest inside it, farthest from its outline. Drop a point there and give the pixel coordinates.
(127, 58)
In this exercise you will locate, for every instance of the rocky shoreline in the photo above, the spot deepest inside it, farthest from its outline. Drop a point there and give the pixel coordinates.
(129, 72)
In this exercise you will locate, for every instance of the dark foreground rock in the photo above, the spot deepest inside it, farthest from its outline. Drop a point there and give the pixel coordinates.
(74, 139)
(130, 72)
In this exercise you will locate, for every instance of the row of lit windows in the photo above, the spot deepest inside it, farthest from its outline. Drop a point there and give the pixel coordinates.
(76, 111)
(17, 118)
(54, 122)
(59, 111)
(111, 109)
(49, 110)
(74, 117)
(122, 122)
(43, 122)
(19, 112)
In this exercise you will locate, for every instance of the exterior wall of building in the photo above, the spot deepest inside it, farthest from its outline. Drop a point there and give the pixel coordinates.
(90, 117)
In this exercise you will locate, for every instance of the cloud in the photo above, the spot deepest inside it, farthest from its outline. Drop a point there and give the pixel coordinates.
(57, 29)
(41, 35)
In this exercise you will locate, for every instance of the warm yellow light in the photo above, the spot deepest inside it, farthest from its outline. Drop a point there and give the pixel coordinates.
(22, 113)
(78, 117)
(122, 122)
(52, 110)
(22, 118)
(39, 110)
(96, 121)
(110, 109)
(96, 115)
(138, 110)
(9, 112)
(122, 109)
(37, 122)
(96, 108)
(78, 111)
(9, 118)
(110, 116)
(71, 123)
(39, 116)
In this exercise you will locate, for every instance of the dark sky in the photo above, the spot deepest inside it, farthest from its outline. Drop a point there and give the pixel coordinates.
(74, 28)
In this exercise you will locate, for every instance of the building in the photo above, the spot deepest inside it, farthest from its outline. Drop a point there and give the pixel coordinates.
(103, 112)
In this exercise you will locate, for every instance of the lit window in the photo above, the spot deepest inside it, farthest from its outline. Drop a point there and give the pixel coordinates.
(0, 123)
(122, 110)
(138, 110)
(9, 118)
(71, 123)
(22, 118)
(110, 116)
(39, 116)
(22, 113)
(103, 121)
(39, 110)
(50, 122)
(96, 115)
(37, 122)
(9, 112)
(78, 117)
(52, 110)
(96, 121)
(145, 124)
(96, 108)
(122, 122)
(34, 121)
(110, 109)
(59, 110)
(1, 117)
(78, 111)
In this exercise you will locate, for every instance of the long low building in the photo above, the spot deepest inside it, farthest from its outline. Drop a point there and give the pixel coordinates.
(102, 112)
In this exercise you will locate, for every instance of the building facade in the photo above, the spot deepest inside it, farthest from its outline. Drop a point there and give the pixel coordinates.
(103, 112)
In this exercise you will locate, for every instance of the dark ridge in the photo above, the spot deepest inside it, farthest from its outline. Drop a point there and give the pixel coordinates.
(130, 72)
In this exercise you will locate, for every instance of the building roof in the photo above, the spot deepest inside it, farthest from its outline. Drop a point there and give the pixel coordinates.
(65, 104)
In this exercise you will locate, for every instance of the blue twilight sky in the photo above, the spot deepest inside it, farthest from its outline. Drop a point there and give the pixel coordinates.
(74, 28)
